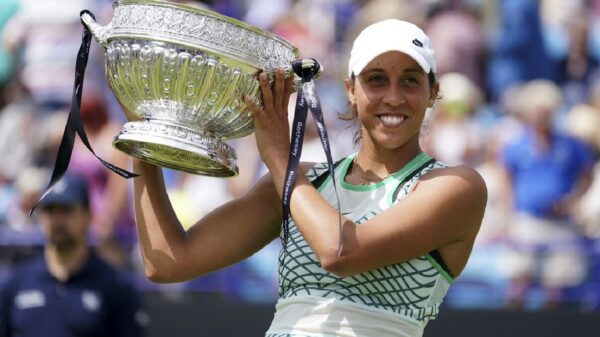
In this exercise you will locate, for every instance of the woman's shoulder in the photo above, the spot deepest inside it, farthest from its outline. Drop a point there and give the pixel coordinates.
(442, 169)
(460, 179)
(454, 194)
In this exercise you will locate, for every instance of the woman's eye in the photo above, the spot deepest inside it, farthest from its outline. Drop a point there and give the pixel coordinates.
(412, 81)
(376, 79)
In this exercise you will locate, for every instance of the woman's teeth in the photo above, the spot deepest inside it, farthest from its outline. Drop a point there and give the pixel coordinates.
(389, 120)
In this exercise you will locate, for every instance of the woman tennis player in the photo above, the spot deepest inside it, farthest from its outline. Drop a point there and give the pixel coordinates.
(408, 224)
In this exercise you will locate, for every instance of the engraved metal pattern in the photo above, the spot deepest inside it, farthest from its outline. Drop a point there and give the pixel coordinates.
(200, 29)
(174, 146)
(199, 90)
(186, 68)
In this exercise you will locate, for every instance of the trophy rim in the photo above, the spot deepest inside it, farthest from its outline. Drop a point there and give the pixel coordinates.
(211, 13)
(189, 46)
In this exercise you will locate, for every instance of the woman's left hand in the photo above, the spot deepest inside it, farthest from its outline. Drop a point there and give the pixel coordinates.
(271, 122)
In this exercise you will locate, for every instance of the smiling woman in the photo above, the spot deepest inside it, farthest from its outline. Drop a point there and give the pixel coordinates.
(409, 222)
(375, 79)
(391, 95)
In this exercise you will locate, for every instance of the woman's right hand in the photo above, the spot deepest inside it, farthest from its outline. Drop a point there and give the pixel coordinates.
(271, 123)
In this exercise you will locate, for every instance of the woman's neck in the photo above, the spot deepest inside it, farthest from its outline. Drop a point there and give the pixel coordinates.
(380, 162)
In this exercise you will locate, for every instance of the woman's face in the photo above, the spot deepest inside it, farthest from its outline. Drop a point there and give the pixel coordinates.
(391, 95)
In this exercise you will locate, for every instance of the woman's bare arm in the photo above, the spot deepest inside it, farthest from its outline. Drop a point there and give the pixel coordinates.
(444, 210)
(227, 235)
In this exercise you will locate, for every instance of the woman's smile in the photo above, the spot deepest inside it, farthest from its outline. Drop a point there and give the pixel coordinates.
(391, 120)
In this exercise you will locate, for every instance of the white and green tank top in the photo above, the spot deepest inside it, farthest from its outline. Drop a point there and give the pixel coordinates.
(411, 291)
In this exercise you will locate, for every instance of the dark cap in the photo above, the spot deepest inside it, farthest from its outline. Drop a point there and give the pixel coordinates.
(70, 190)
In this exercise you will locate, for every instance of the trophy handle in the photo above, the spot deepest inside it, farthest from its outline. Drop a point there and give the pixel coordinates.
(288, 70)
(99, 32)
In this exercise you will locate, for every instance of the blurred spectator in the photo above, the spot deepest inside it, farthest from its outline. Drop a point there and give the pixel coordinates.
(18, 124)
(112, 225)
(547, 173)
(47, 131)
(460, 49)
(264, 13)
(579, 67)
(47, 36)
(7, 9)
(309, 43)
(68, 291)
(27, 187)
(556, 16)
(453, 136)
(594, 94)
(496, 218)
(583, 122)
(558, 13)
(518, 52)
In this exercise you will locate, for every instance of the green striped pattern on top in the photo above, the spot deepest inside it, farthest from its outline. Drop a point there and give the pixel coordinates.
(413, 289)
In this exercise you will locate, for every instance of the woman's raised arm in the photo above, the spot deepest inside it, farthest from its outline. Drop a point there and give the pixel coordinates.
(225, 236)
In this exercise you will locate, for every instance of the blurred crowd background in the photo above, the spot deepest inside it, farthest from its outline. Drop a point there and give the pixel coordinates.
(520, 87)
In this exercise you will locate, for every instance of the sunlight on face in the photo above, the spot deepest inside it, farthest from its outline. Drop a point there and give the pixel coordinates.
(391, 96)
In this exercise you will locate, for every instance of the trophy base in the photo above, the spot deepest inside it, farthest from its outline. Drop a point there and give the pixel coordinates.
(177, 147)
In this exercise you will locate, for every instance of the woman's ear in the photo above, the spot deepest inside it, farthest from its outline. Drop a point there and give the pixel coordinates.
(435, 91)
(349, 84)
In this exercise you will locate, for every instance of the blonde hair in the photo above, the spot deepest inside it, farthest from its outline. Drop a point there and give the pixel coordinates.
(538, 94)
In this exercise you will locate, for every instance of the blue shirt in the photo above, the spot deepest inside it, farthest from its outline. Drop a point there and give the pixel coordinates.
(541, 178)
(518, 53)
(95, 302)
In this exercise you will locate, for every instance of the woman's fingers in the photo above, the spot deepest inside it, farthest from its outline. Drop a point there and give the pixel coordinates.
(267, 95)
(276, 97)
(270, 118)
(254, 109)
(279, 89)
(288, 89)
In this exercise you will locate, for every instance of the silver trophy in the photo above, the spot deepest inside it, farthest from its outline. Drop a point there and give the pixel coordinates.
(183, 72)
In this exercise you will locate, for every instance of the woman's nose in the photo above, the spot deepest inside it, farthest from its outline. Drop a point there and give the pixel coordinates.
(394, 96)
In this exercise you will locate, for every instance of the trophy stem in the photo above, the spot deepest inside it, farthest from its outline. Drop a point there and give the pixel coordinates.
(177, 147)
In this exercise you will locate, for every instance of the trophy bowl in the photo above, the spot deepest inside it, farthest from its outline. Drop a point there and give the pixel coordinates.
(182, 72)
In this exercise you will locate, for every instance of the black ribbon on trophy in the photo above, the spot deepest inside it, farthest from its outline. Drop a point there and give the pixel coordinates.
(74, 125)
(307, 99)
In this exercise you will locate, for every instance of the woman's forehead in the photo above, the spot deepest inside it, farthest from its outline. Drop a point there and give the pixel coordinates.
(393, 60)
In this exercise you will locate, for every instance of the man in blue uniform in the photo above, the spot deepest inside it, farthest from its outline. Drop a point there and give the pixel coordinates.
(68, 291)
(548, 172)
